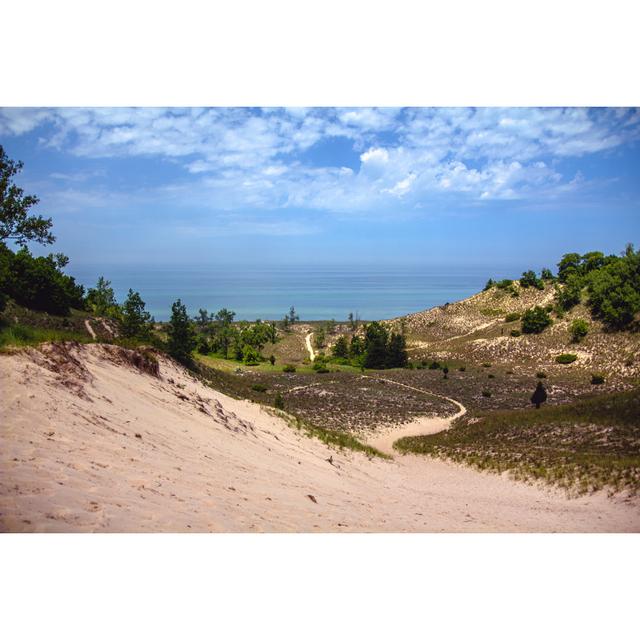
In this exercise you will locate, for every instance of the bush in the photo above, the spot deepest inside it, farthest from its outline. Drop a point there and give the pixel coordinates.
(434, 365)
(515, 333)
(260, 388)
(486, 394)
(512, 317)
(504, 284)
(491, 375)
(578, 329)
(597, 378)
(566, 358)
(289, 368)
(321, 369)
(462, 368)
(535, 320)
(541, 375)
(278, 402)
(486, 364)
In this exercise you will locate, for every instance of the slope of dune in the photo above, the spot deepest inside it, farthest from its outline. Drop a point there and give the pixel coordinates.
(95, 438)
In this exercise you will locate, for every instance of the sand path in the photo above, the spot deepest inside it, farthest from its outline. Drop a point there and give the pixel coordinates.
(89, 328)
(307, 340)
(89, 443)
(383, 440)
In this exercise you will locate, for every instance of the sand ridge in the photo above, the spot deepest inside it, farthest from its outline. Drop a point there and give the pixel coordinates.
(92, 443)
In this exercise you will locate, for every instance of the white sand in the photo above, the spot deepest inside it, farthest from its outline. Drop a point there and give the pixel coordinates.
(70, 461)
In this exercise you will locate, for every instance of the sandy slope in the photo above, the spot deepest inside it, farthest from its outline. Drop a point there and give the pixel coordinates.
(70, 460)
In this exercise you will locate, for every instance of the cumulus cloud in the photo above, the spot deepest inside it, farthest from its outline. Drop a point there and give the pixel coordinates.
(252, 158)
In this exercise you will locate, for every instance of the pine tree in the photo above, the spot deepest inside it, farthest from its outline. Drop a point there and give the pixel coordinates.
(539, 395)
(134, 321)
(182, 337)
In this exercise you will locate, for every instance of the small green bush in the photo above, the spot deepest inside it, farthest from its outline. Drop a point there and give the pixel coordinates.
(512, 317)
(535, 320)
(278, 403)
(541, 375)
(597, 378)
(566, 358)
(260, 388)
(486, 364)
(321, 369)
(491, 375)
(486, 394)
(578, 329)
(515, 333)
(289, 368)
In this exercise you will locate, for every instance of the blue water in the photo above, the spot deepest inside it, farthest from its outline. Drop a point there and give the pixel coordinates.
(318, 293)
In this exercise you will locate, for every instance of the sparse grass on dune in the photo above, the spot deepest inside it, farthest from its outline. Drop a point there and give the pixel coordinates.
(25, 336)
(590, 444)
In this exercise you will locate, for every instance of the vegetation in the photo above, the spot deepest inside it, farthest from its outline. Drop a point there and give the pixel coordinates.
(101, 300)
(566, 358)
(512, 317)
(135, 321)
(539, 395)
(19, 335)
(535, 320)
(584, 446)
(597, 378)
(529, 279)
(578, 329)
(182, 336)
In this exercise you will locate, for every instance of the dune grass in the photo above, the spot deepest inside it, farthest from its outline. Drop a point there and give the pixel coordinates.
(590, 444)
(19, 335)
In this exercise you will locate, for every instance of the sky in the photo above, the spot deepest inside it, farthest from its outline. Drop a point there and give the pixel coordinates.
(232, 186)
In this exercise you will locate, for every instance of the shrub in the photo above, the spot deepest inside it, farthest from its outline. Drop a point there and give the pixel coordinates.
(278, 402)
(515, 333)
(512, 317)
(250, 355)
(541, 375)
(535, 320)
(578, 329)
(491, 375)
(434, 365)
(486, 394)
(486, 364)
(504, 284)
(321, 369)
(462, 368)
(566, 358)
(260, 388)
(597, 378)
(289, 368)
(272, 359)
(529, 279)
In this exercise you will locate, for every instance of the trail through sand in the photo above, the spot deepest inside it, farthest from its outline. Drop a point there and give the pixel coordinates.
(89, 328)
(383, 440)
(312, 355)
(89, 442)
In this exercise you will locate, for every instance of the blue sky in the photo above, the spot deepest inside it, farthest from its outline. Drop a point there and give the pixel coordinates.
(508, 186)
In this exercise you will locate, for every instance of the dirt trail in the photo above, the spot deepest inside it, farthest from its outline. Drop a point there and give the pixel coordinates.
(89, 328)
(307, 340)
(383, 440)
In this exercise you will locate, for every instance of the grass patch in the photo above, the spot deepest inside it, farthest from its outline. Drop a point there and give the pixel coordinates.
(566, 358)
(19, 335)
(590, 444)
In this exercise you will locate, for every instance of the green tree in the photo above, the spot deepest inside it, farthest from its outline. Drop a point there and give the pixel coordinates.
(529, 279)
(182, 336)
(578, 329)
(489, 284)
(341, 348)
(203, 319)
(570, 294)
(319, 338)
(376, 337)
(135, 320)
(539, 395)
(396, 351)
(15, 222)
(546, 274)
(293, 317)
(569, 265)
(250, 355)
(101, 300)
(356, 348)
(535, 320)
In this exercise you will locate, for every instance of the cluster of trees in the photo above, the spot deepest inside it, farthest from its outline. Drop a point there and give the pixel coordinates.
(242, 341)
(610, 285)
(376, 349)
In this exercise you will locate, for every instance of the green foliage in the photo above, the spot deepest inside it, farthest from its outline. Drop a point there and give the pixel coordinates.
(614, 290)
(505, 284)
(319, 338)
(341, 348)
(486, 393)
(15, 222)
(434, 365)
(278, 402)
(289, 368)
(260, 388)
(546, 274)
(462, 368)
(489, 285)
(515, 333)
(512, 317)
(272, 360)
(570, 294)
(182, 336)
(566, 358)
(250, 355)
(578, 329)
(356, 348)
(39, 283)
(101, 300)
(18, 335)
(529, 279)
(376, 337)
(535, 320)
(597, 378)
(135, 320)
(396, 351)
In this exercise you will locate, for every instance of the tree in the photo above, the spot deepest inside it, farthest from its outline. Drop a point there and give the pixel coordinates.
(529, 279)
(319, 338)
(341, 348)
(489, 284)
(293, 317)
(578, 329)
(353, 325)
(539, 395)
(569, 265)
(396, 351)
(102, 300)
(356, 348)
(546, 274)
(535, 320)
(376, 337)
(569, 295)
(134, 321)
(203, 319)
(15, 222)
(182, 337)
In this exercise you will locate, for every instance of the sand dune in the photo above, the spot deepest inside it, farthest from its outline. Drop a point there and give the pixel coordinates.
(89, 442)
